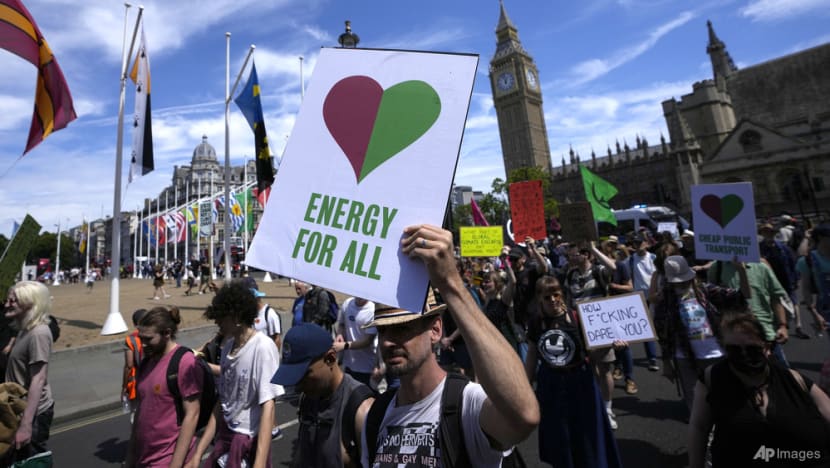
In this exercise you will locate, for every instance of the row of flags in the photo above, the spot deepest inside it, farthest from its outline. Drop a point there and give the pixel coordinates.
(172, 226)
(598, 192)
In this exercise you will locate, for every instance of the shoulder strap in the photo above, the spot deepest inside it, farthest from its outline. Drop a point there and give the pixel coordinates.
(135, 346)
(373, 420)
(718, 272)
(173, 381)
(348, 436)
(453, 450)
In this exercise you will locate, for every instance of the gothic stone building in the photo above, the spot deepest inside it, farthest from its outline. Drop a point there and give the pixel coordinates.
(768, 124)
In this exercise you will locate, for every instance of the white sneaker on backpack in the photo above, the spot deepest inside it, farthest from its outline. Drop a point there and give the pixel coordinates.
(612, 418)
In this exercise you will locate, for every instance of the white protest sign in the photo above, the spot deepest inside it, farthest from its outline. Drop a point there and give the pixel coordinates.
(374, 149)
(724, 216)
(623, 317)
(668, 227)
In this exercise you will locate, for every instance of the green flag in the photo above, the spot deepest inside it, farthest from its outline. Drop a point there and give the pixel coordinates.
(599, 191)
(249, 209)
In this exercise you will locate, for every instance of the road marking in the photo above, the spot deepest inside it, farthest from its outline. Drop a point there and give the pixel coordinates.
(116, 413)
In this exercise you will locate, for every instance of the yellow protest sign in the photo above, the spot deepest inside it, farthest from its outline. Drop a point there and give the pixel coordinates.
(481, 241)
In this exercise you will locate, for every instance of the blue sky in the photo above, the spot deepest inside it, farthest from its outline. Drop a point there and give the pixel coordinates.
(604, 66)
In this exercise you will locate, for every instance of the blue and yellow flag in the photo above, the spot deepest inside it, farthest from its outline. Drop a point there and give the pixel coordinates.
(250, 104)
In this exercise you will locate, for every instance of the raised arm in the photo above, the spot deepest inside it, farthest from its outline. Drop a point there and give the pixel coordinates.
(509, 288)
(511, 411)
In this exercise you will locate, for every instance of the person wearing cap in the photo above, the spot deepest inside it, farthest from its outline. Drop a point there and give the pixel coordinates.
(267, 322)
(815, 277)
(246, 395)
(356, 342)
(686, 319)
(528, 267)
(782, 260)
(333, 405)
(492, 421)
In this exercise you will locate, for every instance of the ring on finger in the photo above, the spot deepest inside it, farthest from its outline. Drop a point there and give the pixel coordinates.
(423, 243)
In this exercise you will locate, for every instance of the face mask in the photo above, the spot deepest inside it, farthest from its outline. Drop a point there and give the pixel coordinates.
(749, 360)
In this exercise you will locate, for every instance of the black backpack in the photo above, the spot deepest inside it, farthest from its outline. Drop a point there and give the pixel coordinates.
(208, 396)
(450, 427)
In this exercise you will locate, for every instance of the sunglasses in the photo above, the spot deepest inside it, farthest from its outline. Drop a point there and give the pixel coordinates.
(750, 351)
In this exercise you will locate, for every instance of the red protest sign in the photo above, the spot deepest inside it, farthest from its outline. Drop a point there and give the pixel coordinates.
(527, 208)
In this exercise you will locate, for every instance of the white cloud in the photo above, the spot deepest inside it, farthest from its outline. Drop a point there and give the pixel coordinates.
(592, 69)
(775, 10)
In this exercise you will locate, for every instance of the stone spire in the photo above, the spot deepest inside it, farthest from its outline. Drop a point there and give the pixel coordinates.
(507, 36)
(722, 64)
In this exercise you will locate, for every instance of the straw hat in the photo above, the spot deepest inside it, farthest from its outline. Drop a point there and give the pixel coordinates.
(386, 315)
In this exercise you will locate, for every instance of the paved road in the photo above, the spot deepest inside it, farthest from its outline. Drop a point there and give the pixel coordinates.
(652, 424)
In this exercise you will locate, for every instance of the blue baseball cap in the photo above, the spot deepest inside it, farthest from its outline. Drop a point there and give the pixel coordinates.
(303, 343)
(257, 293)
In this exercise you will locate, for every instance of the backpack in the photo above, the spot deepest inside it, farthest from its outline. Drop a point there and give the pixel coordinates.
(55, 328)
(330, 316)
(279, 318)
(208, 396)
(597, 274)
(451, 439)
(350, 439)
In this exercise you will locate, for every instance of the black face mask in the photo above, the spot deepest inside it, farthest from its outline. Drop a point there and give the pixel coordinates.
(749, 360)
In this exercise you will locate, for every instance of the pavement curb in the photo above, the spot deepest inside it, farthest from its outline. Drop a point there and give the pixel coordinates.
(118, 342)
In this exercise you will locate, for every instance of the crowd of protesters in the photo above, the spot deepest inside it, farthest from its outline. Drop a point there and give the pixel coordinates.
(380, 386)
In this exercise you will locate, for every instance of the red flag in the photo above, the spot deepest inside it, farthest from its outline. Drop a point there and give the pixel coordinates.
(53, 103)
(261, 197)
(478, 216)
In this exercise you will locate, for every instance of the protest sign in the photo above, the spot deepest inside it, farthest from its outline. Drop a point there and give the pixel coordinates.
(724, 216)
(373, 150)
(527, 210)
(481, 241)
(668, 227)
(608, 319)
(577, 220)
(16, 252)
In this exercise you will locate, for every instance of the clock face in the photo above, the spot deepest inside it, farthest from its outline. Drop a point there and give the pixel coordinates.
(505, 81)
(531, 79)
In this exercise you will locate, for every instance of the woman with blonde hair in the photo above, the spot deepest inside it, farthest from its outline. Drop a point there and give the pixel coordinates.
(28, 305)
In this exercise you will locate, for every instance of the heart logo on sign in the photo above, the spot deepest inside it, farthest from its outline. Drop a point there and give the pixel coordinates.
(722, 210)
(371, 125)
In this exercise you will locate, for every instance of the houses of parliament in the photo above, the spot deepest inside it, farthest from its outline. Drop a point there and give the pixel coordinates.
(768, 124)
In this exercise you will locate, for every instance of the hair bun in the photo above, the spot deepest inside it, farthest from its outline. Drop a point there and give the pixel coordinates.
(175, 315)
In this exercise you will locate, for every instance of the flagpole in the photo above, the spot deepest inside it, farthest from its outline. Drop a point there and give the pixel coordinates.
(245, 200)
(158, 216)
(187, 231)
(57, 281)
(114, 323)
(135, 239)
(228, 92)
(212, 227)
(88, 233)
(176, 240)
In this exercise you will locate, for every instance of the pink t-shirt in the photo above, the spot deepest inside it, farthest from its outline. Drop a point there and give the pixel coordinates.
(156, 427)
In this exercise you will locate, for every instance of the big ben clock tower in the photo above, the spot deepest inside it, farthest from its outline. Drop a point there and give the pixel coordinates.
(518, 100)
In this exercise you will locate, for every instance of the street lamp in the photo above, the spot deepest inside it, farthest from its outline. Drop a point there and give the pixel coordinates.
(348, 40)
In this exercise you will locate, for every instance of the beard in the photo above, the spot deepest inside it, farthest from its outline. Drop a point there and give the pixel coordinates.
(403, 368)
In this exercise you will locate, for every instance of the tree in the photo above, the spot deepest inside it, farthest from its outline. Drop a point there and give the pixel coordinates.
(462, 215)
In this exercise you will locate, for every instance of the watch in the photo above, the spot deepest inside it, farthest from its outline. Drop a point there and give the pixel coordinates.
(532, 83)
(505, 81)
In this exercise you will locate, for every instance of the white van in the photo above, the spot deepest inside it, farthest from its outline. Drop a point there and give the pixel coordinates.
(639, 216)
